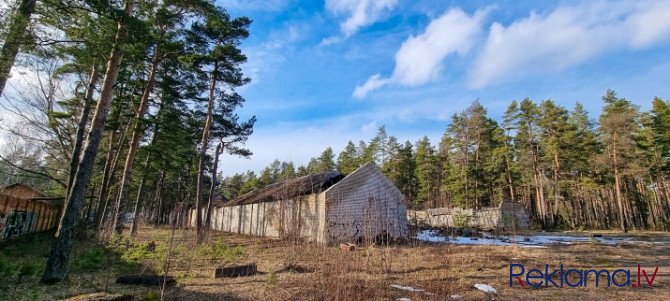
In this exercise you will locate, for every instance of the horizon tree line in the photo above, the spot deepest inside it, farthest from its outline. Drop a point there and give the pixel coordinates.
(567, 169)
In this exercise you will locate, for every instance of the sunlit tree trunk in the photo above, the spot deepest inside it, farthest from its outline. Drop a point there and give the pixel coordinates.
(203, 153)
(81, 126)
(59, 257)
(119, 208)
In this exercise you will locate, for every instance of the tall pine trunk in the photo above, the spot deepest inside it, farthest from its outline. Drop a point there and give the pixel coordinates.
(138, 201)
(617, 186)
(219, 150)
(111, 166)
(104, 189)
(81, 126)
(119, 208)
(17, 34)
(59, 257)
(203, 153)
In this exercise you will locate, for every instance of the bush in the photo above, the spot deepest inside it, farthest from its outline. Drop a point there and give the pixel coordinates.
(272, 279)
(461, 220)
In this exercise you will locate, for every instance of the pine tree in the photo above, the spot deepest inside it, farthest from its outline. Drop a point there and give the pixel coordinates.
(218, 37)
(527, 136)
(346, 160)
(326, 161)
(427, 174)
(554, 128)
(57, 263)
(617, 123)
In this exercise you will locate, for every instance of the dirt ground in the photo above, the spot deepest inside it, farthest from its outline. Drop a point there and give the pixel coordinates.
(305, 271)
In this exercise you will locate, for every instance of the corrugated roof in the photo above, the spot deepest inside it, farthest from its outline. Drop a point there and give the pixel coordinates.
(289, 189)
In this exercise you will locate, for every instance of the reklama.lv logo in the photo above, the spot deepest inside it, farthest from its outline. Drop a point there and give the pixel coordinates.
(574, 277)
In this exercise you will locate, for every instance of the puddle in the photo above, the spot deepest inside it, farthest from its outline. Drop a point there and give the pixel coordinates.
(530, 241)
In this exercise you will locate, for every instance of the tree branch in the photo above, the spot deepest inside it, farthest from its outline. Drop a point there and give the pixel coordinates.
(41, 174)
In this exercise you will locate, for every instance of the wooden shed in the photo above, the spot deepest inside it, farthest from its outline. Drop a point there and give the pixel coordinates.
(326, 207)
(25, 209)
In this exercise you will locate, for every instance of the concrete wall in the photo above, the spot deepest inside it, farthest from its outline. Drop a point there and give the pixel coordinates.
(364, 205)
(506, 215)
(20, 216)
(514, 214)
(301, 217)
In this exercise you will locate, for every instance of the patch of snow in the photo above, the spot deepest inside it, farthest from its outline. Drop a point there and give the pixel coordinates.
(407, 288)
(523, 241)
(431, 235)
(486, 288)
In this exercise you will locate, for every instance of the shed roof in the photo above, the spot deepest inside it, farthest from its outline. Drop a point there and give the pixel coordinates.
(289, 189)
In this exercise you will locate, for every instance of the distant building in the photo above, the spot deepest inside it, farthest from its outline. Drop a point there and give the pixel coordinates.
(25, 209)
(326, 207)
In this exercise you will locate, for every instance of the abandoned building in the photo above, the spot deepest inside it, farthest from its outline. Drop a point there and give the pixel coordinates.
(24, 209)
(507, 215)
(326, 207)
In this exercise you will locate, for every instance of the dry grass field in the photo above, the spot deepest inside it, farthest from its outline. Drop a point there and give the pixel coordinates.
(304, 271)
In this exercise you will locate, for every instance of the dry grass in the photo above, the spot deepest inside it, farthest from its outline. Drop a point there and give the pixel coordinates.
(305, 271)
(297, 271)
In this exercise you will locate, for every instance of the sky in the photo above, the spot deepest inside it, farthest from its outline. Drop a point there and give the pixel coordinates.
(324, 73)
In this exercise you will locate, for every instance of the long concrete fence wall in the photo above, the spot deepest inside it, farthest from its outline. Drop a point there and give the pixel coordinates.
(287, 218)
(506, 215)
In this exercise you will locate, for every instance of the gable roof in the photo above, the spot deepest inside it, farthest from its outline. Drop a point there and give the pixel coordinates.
(23, 191)
(289, 189)
(369, 175)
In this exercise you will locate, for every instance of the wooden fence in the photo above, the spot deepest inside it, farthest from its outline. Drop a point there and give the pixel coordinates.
(20, 216)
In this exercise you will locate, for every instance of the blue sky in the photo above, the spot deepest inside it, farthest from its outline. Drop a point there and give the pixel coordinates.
(327, 72)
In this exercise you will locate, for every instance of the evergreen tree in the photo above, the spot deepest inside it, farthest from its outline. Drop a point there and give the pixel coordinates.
(326, 161)
(617, 123)
(57, 264)
(217, 37)
(346, 160)
(427, 174)
(527, 136)
(555, 129)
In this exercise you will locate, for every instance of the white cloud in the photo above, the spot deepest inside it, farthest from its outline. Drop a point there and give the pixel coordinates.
(373, 83)
(419, 59)
(330, 41)
(568, 36)
(651, 22)
(360, 12)
(369, 128)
